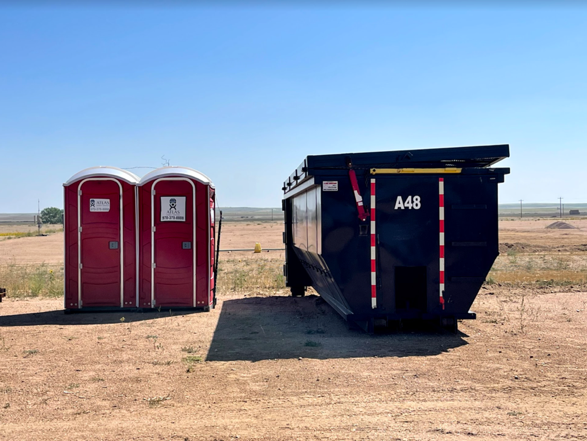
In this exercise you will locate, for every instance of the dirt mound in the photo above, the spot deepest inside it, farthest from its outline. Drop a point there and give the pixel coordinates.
(561, 226)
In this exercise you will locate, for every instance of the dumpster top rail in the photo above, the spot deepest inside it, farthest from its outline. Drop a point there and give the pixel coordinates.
(445, 158)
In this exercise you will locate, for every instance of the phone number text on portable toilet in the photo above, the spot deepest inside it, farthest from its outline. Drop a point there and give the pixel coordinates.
(173, 209)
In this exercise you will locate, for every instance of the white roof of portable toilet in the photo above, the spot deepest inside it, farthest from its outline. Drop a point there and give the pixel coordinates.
(176, 171)
(100, 171)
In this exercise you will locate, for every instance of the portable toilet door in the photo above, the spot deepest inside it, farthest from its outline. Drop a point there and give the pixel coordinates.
(176, 233)
(100, 239)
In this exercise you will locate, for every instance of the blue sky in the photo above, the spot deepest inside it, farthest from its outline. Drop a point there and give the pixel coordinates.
(244, 93)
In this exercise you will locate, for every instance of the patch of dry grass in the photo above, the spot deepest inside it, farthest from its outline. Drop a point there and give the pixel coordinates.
(250, 274)
(31, 280)
(8, 232)
(539, 269)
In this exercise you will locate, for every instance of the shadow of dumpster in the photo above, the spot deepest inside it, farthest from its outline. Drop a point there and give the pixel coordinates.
(262, 328)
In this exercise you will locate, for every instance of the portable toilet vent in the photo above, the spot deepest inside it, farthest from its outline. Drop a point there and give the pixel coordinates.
(100, 239)
(397, 235)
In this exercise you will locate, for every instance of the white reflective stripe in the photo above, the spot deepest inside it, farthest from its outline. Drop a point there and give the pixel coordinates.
(373, 200)
(442, 264)
(372, 253)
(441, 289)
(441, 213)
(441, 238)
(372, 227)
(373, 302)
(373, 279)
(441, 187)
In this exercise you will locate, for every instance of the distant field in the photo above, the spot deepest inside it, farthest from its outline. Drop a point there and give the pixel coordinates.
(240, 214)
(17, 218)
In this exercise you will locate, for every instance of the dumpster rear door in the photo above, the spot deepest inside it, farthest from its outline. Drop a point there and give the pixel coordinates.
(407, 225)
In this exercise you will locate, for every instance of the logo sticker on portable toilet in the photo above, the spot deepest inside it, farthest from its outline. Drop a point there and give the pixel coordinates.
(173, 209)
(100, 205)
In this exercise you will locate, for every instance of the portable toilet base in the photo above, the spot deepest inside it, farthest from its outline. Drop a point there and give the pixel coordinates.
(394, 236)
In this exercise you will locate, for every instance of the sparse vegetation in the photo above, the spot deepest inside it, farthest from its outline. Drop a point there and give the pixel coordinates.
(156, 401)
(192, 359)
(32, 280)
(539, 270)
(162, 363)
(237, 275)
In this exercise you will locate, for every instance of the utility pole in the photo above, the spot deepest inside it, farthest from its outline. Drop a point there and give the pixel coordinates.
(38, 217)
(561, 206)
(521, 212)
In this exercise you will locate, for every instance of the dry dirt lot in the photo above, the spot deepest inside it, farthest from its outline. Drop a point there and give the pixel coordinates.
(263, 365)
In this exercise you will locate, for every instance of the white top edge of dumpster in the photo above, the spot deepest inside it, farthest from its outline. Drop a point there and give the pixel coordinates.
(178, 172)
(105, 171)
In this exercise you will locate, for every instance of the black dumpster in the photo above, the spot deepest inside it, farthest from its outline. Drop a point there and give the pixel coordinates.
(391, 236)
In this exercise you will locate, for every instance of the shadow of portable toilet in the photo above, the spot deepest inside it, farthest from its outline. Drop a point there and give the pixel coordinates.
(100, 239)
(176, 228)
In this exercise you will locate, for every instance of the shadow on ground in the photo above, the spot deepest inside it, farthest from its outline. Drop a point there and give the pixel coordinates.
(58, 317)
(261, 328)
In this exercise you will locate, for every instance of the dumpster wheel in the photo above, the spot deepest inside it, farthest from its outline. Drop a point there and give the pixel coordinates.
(298, 291)
(449, 324)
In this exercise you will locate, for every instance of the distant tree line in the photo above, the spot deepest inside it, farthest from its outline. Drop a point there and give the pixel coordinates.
(52, 215)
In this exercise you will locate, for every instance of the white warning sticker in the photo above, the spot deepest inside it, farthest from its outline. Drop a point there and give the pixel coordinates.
(330, 186)
(172, 208)
(100, 205)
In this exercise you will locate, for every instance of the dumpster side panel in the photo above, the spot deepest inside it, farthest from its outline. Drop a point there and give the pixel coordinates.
(295, 274)
(346, 242)
(471, 237)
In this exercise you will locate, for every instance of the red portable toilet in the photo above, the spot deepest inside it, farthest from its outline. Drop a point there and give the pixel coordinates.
(176, 229)
(100, 227)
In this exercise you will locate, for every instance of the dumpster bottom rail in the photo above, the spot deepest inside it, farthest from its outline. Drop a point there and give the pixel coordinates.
(415, 320)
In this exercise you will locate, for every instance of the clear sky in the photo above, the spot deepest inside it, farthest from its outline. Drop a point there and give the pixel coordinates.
(244, 93)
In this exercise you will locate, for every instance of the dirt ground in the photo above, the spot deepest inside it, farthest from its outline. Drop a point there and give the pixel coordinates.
(273, 367)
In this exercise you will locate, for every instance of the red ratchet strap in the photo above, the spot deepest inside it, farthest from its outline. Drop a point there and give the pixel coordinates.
(363, 215)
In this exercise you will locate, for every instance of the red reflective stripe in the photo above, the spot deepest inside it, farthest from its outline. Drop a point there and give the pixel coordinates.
(372, 266)
(372, 240)
(441, 239)
(372, 187)
(362, 213)
(373, 291)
